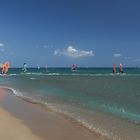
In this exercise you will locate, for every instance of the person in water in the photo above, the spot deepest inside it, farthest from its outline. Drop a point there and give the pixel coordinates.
(74, 67)
(5, 67)
(24, 68)
(114, 68)
(121, 68)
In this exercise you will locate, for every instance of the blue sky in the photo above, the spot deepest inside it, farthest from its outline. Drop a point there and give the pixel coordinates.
(94, 33)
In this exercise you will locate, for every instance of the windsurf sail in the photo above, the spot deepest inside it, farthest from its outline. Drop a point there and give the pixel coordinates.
(121, 68)
(114, 68)
(24, 68)
(5, 67)
(74, 67)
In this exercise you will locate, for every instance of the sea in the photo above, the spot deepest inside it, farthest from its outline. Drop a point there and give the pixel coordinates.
(94, 97)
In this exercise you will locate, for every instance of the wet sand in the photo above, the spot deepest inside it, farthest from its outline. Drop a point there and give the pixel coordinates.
(13, 129)
(22, 120)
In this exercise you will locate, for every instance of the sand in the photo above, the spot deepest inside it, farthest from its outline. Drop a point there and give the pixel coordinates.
(13, 129)
(21, 120)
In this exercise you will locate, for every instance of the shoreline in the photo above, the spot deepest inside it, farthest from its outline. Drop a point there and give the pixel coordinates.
(44, 123)
(11, 127)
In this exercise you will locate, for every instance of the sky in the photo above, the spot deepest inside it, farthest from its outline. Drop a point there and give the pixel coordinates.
(59, 33)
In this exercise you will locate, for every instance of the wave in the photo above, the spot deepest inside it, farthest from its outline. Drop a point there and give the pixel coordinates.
(53, 74)
(70, 74)
(116, 110)
(122, 112)
(15, 92)
(7, 75)
(81, 74)
(74, 117)
(51, 107)
(32, 78)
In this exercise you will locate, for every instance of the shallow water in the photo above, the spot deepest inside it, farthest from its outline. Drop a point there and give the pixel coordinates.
(96, 98)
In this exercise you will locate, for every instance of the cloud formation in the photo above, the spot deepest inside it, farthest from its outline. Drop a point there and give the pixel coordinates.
(1, 45)
(127, 58)
(117, 55)
(73, 53)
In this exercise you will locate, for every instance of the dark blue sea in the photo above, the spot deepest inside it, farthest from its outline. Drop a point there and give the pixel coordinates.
(95, 97)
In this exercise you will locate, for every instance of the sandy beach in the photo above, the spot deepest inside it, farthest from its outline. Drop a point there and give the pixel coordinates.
(22, 120)
(12, 128)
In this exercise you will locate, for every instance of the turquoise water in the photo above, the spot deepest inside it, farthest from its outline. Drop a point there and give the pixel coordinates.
(105, 102)
(79, 70)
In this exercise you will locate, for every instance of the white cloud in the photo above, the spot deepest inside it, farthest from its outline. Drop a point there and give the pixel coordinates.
(57, 52)
(117, 55)
(1, 45)
(2, 50)
(73, 53)
(127, 58)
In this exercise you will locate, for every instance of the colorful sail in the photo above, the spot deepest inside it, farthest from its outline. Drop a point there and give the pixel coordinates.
(5, 67)
(114, 68)
(74, 67)
(121, 68)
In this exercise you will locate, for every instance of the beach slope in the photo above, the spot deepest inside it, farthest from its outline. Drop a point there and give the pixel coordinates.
(21, 120)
